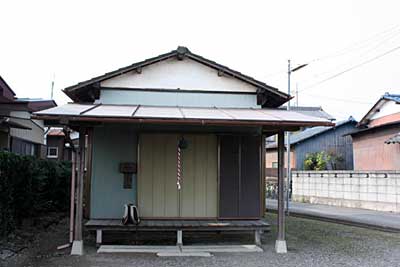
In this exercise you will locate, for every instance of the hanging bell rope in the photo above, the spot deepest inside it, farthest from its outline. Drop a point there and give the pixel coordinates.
(179, 167)
(182, 144)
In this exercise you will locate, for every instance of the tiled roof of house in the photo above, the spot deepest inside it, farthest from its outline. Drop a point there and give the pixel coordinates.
(55, 132)
(394, 139)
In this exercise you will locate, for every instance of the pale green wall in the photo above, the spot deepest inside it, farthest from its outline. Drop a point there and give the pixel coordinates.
(111, 145)
(187, 99)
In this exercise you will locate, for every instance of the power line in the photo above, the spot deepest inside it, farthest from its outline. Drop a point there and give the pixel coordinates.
(351, 68)
(358, 45)
(340, 99)
(362, 54)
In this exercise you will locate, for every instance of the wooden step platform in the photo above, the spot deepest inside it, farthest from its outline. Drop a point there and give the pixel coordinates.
(180, 226)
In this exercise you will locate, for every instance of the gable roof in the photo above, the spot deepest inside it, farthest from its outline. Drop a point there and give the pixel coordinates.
(86, 91)
(378, 105)
(6, 93)
(314, 131)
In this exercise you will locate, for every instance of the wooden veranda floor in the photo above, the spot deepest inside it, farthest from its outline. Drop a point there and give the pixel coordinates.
(184, 225)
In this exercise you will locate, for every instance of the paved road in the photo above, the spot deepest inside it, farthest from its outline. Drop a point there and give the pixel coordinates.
(362, 217)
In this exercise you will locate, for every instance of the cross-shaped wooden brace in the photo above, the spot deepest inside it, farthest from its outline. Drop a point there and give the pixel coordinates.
(128, 169)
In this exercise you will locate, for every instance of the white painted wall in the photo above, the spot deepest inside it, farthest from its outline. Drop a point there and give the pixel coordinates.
(184, 74)
(388, 108)
(36, 135)
(376, 190)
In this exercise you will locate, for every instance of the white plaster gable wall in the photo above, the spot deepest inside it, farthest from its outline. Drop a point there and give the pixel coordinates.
(184, 74)
(389, 107)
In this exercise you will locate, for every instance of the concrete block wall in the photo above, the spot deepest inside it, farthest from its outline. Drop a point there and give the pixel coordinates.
(375, 190)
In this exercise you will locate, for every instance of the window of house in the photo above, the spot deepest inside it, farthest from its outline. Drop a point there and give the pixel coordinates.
(274, 164)
(52, 152)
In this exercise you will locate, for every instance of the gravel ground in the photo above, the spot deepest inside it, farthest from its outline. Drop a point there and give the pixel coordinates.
(310, 243)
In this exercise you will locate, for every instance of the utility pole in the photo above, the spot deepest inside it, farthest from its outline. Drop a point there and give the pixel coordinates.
(288, 148)
(52, 87)
(288, 170)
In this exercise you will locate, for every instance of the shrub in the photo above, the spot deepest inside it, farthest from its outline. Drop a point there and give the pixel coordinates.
(320, 161)
(316, 161)
(30, 187)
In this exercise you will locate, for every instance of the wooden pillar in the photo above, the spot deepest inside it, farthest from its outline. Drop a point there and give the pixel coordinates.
(280, 244)
(88, 172)
(262, 173)
(99, 237)
(72, 203)
(179, 238)
(77, 245)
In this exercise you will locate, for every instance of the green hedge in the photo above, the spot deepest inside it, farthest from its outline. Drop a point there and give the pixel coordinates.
(30, 187)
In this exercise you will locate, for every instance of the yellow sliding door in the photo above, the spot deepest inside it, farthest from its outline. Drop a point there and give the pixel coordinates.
(158, 195)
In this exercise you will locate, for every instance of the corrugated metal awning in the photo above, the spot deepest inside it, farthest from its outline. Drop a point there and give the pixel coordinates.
(179, 115)
(7, 122)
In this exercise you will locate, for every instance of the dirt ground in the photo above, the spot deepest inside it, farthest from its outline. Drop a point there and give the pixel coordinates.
(310, 243)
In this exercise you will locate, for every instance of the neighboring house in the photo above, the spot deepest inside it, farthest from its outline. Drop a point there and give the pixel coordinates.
(312, 111)
(57, 145)
(316, 139)
(376, 144)
(19, 133)
(179, 136)
(271, 141)
(309, 111)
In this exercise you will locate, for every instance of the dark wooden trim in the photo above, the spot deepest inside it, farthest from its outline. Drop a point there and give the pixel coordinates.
(138, 173)
(262, 175)
(88, 174)
(239, 200)
(218, 174)
(280, 124)
(89, 109)
(176, 90)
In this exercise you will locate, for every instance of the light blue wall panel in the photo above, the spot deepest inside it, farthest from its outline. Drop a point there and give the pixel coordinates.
(194, 99)
(111, 145)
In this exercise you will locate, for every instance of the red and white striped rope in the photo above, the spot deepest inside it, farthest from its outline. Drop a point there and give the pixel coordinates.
(178, 175)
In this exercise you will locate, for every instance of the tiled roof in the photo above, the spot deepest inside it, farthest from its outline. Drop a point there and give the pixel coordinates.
(392, 97)
(394, 139)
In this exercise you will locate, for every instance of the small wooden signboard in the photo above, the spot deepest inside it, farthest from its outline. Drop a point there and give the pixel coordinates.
(128, 169)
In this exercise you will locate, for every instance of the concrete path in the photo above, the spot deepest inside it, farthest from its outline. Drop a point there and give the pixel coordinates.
(360, 217)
